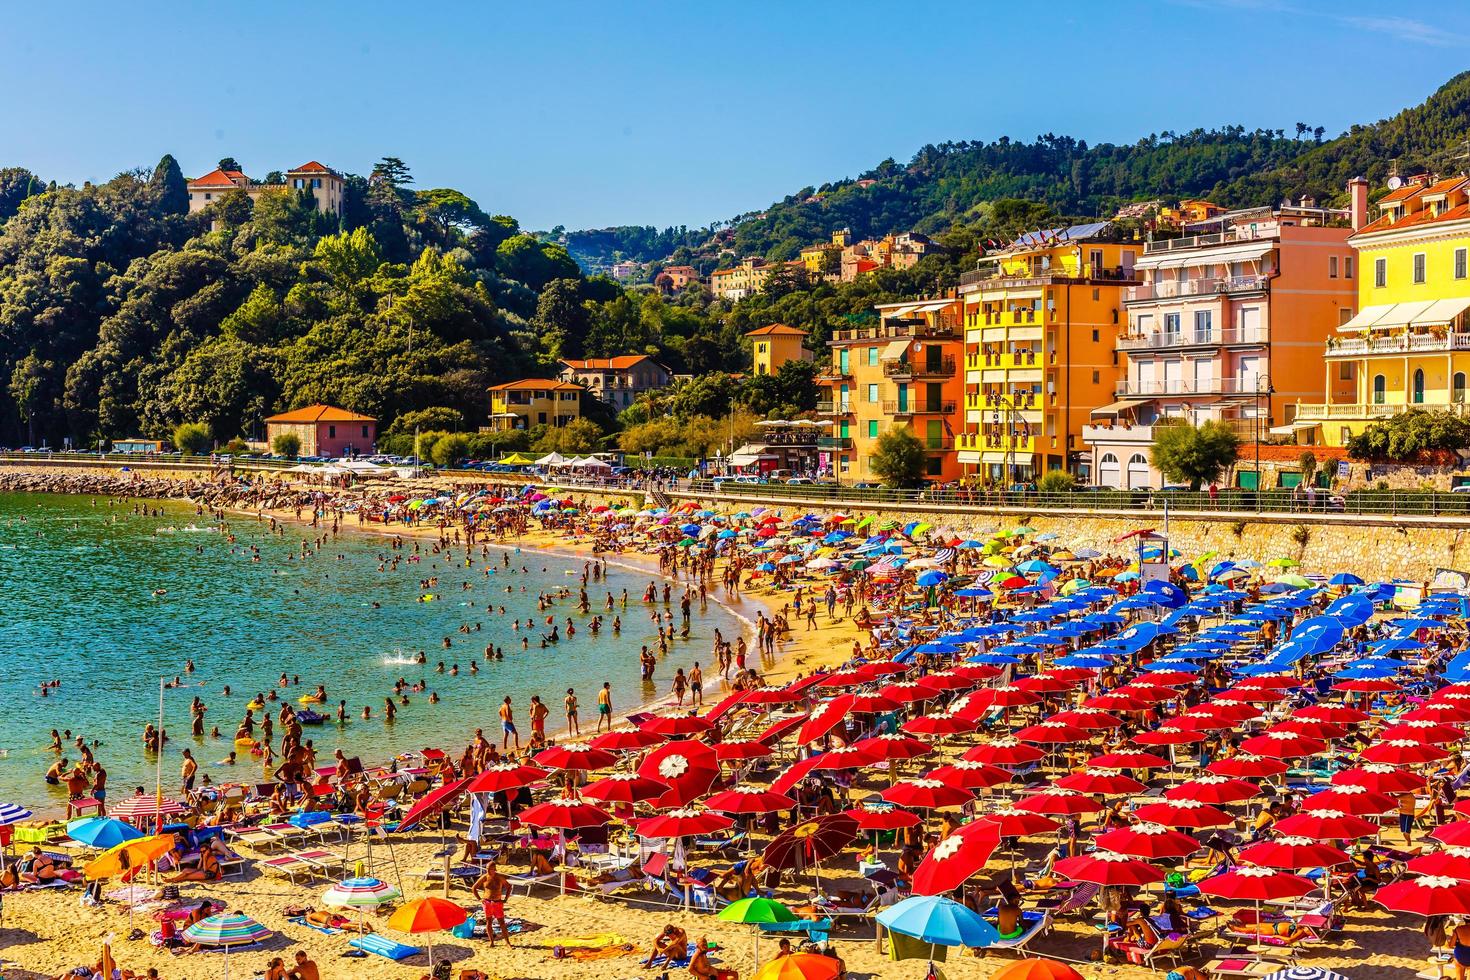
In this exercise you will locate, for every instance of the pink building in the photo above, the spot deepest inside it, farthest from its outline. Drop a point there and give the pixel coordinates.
(325, 431)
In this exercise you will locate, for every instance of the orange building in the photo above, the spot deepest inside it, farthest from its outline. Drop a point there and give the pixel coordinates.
(901, 373)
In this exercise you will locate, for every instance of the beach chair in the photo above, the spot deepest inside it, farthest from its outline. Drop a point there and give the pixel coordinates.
(1173, 948)
(1036, 925)
(1078, 898)
(815, 930)
(287, 865)
(323, 860)
(1241, 967)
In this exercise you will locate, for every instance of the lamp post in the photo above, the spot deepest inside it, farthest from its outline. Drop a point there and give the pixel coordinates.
(1266, 390)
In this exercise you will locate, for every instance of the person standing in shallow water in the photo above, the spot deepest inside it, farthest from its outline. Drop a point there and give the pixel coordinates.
(604, 706)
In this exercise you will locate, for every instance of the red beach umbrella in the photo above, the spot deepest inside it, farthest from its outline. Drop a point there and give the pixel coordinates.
(1104, 782)
(1150, 841)
(677, 726)
(1310, 728)
(684, 822)
(1256, 885)
(1293, 853)
(565, 813)
(1019, 823)
(1337, 714)
(1057, 801)
(690, 768)
(926, 794)
(1052, 733)
(909, 692)
(1147, 693)
(883, 818)
(847, 757)
(955, 858)
(1234, 711)
(780, 729)
(1403, 752)
(970, 775)
(894, 746)
(769, 696)
(1452, 712)
(1433, 732)
(810, 841)
(1005, 752)
(1200, 721)
(740, 749)
(749, 799)
(1283, 745)
(1380, 778)
(1454, 834)
(626, 740)
(977, 672)
(1255, 695)
(1045, 684)
(1247, 766)
(1366, 686)
(1109, 868)
(1452, 862)
(624, 787)
(1326, 825)
(505, 777)
(1212, 789)
(826, 716)
(938, 724)
(1278, 682)
(1128, 759)
(1360, 801)
(1169, 735)
(885, 668)
(576, 755)
(1114, 701)
(1092, 719)
(872, 704)
(846, 678)
(947, 680)
(1005, 696)
(1428, 895)
(134, 807)
(1184, 813)
(1173, 678)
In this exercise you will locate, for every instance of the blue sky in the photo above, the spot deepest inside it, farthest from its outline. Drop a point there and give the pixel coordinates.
(589, 114)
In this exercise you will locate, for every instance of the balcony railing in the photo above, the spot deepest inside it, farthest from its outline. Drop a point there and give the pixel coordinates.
(1212, 386)
(834, 408)
(834, 442)
(944, 368)
(918, 407)
(834, 373)
(1256, 233)
(1164, 339)
(1037, 276)
(1360, 410)
(1215, 286)
(943, 445)
(1397, 344)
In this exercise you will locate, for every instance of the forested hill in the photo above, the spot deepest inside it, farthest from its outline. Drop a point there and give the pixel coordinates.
(950, 184)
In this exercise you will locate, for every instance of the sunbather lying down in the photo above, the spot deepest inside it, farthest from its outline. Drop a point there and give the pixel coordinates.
(335, 920)
(1273, 930)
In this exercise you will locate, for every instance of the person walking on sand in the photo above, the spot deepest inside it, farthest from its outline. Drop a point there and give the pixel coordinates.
(491, 889)
(604, 706)
(508, 725)
(696, 686)
(571, 702)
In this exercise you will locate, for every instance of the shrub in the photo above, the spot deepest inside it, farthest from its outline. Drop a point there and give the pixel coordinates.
(287, 444)
(1056, 481)
(450, 449)
(194, 438)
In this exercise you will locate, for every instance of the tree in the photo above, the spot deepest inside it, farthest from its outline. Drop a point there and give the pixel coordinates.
(1195, 455)
(1056, 481)
(450, 449)
(229, 163)
(284, 216)
(560, 322)
(232, 208)
(286, 445)
(577, 436)
(1409, 435)
(193, 438)
(449, 211)
(426, 419)
(899, 459)
(1308, 462)
(170, 190)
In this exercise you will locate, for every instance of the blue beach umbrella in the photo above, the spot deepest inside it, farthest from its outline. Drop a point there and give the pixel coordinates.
(938, 921)
(1344, 578)
(102, 832)
(932, 578)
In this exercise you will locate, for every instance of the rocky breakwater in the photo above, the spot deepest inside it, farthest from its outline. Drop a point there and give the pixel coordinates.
(216, 494)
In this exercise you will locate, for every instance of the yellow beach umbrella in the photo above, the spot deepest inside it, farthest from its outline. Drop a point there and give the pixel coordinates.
(129, 854)
(996, 561)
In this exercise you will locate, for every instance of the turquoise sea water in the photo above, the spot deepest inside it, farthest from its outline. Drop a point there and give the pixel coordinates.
(79, 577)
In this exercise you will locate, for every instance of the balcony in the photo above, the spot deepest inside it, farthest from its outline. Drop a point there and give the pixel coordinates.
(1172, 288)
(1212, 386)
(832, 372)
(834, 408)
(834, 442)
(1038, 276)
(1351, 410)
(1397, 344)
(1261, 231)
(1015, 359)
(918, 407)
(943, 445)
(943, 328)
(943, 368)
(1013, 318)
(1169, 340)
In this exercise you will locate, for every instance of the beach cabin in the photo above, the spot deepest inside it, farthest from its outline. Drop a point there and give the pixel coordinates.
(325, 430)
(137, 446)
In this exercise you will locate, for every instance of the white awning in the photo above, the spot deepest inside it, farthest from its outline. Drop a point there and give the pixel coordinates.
(1291, 428)
(1366, 317)
(1118, 406)
(968, 456)
(894, 351)
(1251, 252)
(747, 459)
(1443, 311)
(1403, 314)
(901, 311)
(995, 457)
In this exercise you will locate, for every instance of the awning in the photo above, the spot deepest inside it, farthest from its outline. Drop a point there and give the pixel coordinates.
(1366, 317)
(995, 457)
(747, 459)
(894, 351)
(1119, 406)
(1443, 311)
(1250, 252)
(902, 311)
(1291, 428)
(1403, 314)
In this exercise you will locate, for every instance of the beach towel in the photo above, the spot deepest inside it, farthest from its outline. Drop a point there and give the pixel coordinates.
(596, 941)
(901, 947)
(301, 920)
(385, 947)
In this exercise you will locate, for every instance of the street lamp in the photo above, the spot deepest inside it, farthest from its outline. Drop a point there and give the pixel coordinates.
(1266, 390)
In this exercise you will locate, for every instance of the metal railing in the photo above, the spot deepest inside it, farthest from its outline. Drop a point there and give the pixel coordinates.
(1213, 386)
(1226, 501)
(834, 442)
(1161, 339)
(945, 368)
(918, 407)
(1207, 286)
(1399, 344)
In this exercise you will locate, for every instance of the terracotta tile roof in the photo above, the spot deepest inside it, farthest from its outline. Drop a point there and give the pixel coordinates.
(1443, 187)
(219, 178)
(320, 413)
(536, 383)
(620, 363)
(312, 167)
(1402, 194)
(776, 329)
(1414, 219)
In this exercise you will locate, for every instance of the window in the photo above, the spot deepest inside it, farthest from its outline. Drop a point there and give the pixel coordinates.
(1345, 371)
(934, 466)
(1203, 321)
(364, 432)
(1344, 315)
(1457, 388)
(1459, 263)
(541, 418)
(1097, 377)
(760, 348)
(872, 356)
(208, 196)
(1096, 336)
(1380, 388)
(872, 392)
(1347, 266)
(331, 432)
(1419, 386)
(1418, 267)
(1171, 323)
(1380, 273)
(872, 428)
(1109, 458)
(1137, 459)
(1331, 267)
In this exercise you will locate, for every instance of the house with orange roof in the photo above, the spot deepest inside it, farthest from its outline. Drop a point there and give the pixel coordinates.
(531, 402)
(323, 183)
(772, 346)
(325, 430)
(619, 381)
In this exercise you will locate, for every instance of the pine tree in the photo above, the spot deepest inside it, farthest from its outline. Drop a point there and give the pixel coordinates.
(170, 190)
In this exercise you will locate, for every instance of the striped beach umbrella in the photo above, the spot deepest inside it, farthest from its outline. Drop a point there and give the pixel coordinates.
(361, 893)
(133, 807)
(12, 813)
(224, 931)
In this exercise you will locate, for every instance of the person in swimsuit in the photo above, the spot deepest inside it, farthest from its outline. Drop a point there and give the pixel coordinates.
(1460, 939)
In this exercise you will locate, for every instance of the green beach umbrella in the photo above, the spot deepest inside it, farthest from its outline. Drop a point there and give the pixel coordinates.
(1283, 563)
(755, 911)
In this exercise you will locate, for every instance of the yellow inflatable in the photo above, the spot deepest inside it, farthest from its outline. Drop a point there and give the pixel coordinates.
(247, 743)
(311, 699)
(255, 705)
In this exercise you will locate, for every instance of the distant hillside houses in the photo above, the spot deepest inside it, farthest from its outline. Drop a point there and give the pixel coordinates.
(841, 259)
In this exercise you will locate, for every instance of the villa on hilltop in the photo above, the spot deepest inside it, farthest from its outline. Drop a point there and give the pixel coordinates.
(324, 183)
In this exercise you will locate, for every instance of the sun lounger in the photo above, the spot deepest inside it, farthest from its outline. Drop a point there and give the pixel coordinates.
(530, 881)
(1035, 926)
(288, 865)
(323, 860)
(383, 946)
(1241, 967)
(816, 931)
(257, 838)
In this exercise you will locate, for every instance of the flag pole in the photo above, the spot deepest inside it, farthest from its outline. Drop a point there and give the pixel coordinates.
(158, 768)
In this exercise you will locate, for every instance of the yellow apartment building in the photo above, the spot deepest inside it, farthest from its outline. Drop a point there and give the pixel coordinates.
(1408, 345)
(901, 372)
(774, 345)
(1041, 317)
(532, 402)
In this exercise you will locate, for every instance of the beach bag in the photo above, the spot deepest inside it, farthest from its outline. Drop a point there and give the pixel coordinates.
(465, 930)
